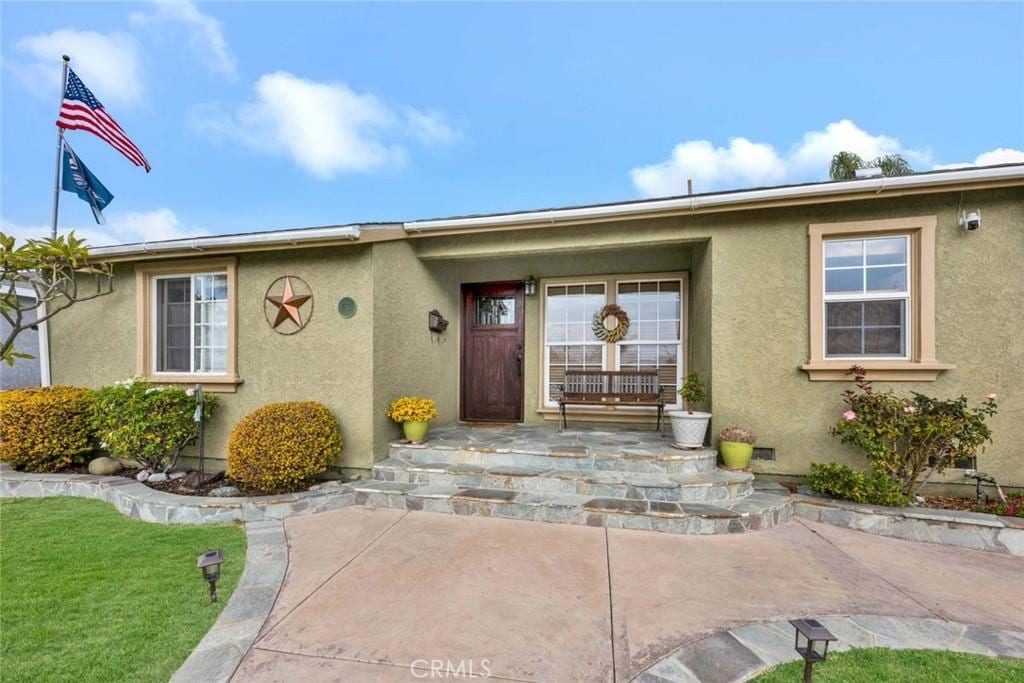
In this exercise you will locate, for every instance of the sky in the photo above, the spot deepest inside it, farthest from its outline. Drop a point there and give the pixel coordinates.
(265, 115)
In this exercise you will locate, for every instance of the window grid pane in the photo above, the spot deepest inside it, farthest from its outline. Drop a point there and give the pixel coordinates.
(191, 323)
(865, 328)
(653, 341)
(569, 343)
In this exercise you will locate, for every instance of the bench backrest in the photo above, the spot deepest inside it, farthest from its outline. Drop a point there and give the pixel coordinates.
(612, 385)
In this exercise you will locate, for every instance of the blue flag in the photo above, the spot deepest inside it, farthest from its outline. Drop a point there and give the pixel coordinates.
(77, 178)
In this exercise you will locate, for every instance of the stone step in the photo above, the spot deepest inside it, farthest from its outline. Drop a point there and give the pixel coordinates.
(659, 458)
(712, 486)
(756, 511)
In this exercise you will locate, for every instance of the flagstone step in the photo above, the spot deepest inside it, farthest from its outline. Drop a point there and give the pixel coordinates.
(657, 459)
(716, 485)
(758, 510)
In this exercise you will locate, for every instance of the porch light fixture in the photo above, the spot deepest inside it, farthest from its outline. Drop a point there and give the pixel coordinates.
(530, 285)
(811, 643)
(209, 562)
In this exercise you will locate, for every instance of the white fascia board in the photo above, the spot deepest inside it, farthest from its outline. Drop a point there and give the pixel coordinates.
(691, 203)
(200, 244)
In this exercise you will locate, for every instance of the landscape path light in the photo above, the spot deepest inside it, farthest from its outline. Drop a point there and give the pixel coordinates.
(209, 562)
(811, 643)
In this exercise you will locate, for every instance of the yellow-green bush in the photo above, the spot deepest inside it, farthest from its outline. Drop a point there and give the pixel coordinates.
(283, 446)
(43, 429)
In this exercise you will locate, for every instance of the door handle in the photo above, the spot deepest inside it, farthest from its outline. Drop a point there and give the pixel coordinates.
(519, 363)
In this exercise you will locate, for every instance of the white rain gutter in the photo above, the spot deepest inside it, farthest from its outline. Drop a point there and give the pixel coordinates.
(692, 203)
(199, 244)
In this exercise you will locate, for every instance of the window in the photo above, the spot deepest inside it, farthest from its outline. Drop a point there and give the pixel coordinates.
(867, 295)
(653, 341)
(186, 323)
(192, 323)
(654, 304)
(872, 299)
(495, 310)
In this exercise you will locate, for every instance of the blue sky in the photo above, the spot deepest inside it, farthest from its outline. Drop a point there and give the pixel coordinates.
(269, 115)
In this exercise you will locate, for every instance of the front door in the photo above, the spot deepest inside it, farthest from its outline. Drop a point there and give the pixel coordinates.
(492, 352)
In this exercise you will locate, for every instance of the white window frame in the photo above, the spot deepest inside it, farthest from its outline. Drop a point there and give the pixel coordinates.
(859, 297)
(155, 304)
(609, 357)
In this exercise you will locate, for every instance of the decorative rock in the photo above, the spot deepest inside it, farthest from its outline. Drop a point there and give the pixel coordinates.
(157, 477)
(143, 475)
(176, 474)
(105, 466)
(225, 492)
(326, 485)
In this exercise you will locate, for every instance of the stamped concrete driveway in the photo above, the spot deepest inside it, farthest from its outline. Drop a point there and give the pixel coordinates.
(378, 595)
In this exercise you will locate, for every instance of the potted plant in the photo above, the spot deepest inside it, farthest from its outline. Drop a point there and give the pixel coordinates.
(689, 426)
(736, 445)
(415, 414)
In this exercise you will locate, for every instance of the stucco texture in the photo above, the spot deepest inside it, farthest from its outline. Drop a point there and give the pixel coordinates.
(748, 321)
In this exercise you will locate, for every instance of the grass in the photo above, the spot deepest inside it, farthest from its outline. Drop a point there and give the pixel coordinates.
(87, 594)
(871, 665)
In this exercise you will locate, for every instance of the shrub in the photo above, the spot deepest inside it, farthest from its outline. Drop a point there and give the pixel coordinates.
(43, 429)
(283, 446)
(841, 481)
(147, 423)
(907, 437)
(737, 435)
(412, 409)
(694, 391)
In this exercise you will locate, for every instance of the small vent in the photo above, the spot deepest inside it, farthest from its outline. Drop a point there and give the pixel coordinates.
(764, 454)
(966, 464)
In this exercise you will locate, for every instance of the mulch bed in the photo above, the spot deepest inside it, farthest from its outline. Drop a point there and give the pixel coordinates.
(186, 486)
(949, 503)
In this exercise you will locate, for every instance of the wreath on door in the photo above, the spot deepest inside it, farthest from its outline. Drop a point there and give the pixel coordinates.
(610, 324)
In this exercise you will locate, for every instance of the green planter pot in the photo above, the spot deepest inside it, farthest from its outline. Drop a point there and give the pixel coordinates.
(736, 455)
(416, 432)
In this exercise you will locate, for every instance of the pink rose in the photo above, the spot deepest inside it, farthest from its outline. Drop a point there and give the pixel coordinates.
(990, 397)
(849, 416)
(910, 410)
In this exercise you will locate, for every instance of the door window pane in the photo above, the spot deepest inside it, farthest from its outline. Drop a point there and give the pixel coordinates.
(495, 310)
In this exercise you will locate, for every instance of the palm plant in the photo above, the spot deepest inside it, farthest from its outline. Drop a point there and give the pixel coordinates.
(845, 164)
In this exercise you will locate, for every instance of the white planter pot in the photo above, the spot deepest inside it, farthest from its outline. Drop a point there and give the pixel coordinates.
(688, 429)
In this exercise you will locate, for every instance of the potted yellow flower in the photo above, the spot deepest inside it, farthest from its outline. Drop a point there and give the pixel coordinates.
(415, 415)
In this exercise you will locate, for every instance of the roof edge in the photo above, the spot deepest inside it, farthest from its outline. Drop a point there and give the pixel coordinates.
(292, 237)
(732, 198)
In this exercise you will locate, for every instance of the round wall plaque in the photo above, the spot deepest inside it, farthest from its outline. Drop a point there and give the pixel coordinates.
(347, 307)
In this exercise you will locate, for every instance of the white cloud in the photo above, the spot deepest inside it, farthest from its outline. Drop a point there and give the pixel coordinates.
(325, 128)
(429, 127)
(205, 35)
(121, 228)
(108, 63)
(744, 163)
(1000, 155)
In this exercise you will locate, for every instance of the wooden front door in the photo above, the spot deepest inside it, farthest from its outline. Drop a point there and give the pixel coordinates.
(492, 352)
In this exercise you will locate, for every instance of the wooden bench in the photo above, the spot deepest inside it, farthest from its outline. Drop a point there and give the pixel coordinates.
(610, 388)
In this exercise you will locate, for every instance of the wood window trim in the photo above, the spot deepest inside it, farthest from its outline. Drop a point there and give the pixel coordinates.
(145, 338)
(921, 364)
(625, 414)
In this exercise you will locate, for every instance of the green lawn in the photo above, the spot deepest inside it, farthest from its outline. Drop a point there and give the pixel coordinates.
(872, 665)
(87, 594)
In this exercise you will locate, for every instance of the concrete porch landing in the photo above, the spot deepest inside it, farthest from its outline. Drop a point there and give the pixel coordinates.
(593, 476)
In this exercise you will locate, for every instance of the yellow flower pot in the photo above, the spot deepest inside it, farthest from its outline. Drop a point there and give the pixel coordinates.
(736, 455)
(416, 432)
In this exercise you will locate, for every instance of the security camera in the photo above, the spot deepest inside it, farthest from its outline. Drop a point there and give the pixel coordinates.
(970, 220)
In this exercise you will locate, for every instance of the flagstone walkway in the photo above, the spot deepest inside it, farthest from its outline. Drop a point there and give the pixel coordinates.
(384, 595)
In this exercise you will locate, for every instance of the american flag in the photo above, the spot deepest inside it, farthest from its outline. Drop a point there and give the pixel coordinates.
(80, 110)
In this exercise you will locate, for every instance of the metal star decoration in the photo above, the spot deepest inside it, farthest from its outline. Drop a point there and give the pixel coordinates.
(288, 304)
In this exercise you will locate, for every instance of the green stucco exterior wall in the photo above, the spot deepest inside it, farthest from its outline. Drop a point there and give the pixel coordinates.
(747, 324)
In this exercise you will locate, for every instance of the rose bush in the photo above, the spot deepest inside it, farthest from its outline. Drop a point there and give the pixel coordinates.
(909, 438)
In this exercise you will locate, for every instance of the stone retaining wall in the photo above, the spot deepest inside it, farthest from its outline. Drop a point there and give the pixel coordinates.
(973, 530)
(137, 500)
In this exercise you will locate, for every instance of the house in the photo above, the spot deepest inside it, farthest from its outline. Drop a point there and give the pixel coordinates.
(771, 293)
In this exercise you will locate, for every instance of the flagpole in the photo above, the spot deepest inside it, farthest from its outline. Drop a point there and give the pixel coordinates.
(60, 146)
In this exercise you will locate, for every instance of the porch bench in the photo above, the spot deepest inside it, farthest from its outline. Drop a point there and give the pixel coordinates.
(610, 388)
